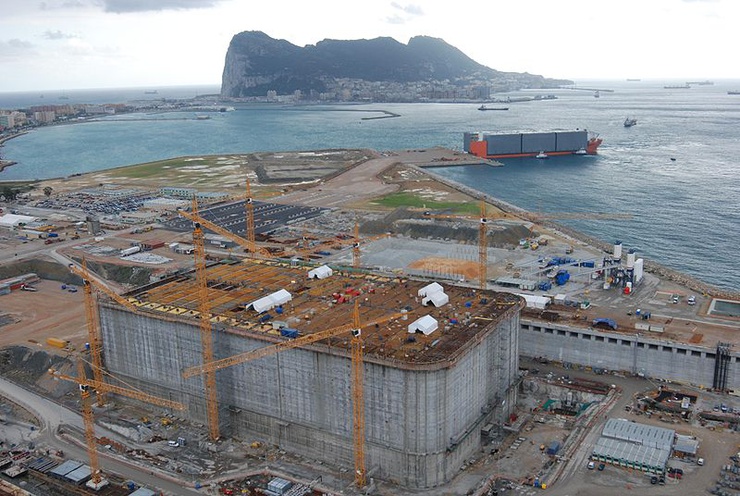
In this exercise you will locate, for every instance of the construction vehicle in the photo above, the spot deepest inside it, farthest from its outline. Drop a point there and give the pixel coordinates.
(97, 481)
(358, 401)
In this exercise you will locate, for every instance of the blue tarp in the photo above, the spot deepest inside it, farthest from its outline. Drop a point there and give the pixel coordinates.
(603, 322)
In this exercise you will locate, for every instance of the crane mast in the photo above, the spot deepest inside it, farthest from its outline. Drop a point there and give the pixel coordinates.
(93, 332)
(92, 320)
(358, 400)
(87, 418)
(482, 248)
(206, 331)
(249, 207)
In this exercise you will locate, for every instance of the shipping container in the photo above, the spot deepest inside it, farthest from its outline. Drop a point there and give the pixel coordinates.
(538, 142)
(57, 343)
(504, 143)
(571, 140)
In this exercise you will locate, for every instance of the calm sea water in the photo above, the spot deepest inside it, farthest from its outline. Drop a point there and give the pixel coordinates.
(685, 213)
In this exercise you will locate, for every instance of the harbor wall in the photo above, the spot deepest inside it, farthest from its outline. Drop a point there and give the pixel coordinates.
(638, 354)
(422, 421)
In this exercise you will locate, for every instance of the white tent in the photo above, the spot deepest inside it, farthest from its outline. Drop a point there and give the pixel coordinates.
(271, 301)
(320, 272)
(13, 220)
(430, 288)
(426, 324)
(534, 301)
(437, 299)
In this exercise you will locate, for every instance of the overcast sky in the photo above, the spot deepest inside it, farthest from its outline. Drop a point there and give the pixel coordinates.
(73, 44)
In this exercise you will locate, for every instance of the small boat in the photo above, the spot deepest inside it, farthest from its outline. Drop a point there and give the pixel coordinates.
(596, 94)
(541, 155)
(483, 107)
(628, 122)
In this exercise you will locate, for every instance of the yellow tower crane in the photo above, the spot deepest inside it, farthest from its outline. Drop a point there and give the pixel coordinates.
(97, 481)
(482, 241)
(93, 321)
(206, 331)
(358, 400)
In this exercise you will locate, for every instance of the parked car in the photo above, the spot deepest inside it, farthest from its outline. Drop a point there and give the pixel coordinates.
(601, 466)
(691, 300)
(591, 465)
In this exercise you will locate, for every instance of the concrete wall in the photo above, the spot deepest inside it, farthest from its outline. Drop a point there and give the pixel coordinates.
(636, 354)
(422, 422)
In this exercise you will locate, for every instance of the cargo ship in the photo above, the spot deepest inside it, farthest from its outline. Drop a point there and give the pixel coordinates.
(513, 145)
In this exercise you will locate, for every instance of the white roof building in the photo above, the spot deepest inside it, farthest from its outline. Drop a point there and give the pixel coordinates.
(320, 272)
(431, 288)
(426, 324)
(437, 299)
(534, 301)
(271, 301)
(13, 220)
(433, 293)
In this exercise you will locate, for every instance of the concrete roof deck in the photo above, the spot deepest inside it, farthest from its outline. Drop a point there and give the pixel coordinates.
(314, 307)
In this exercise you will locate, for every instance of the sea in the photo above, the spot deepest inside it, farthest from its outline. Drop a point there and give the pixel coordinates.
(676, 173)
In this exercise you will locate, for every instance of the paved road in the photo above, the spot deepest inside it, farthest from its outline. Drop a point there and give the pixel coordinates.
(53, 415)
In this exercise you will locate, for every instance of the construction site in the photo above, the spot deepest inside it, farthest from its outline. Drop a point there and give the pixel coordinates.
(303, 334)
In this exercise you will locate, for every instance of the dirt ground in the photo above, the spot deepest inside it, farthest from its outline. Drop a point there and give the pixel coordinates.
(50, 312)
(447, 266)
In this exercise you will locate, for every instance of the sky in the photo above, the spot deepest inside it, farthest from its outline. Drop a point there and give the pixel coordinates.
(78, 44)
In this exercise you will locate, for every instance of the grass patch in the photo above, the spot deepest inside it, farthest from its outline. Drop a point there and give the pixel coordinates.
(161, 168)
(402, 199)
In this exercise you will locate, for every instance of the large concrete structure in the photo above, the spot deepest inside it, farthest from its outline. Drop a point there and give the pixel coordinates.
(634, 353)
(427, 393)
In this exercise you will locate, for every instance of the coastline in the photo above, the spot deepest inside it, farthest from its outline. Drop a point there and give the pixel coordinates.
(9, 137)
(650, 265)
(7, 163)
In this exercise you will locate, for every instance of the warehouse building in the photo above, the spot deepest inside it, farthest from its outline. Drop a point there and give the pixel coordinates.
(628, 444)
(440, 363)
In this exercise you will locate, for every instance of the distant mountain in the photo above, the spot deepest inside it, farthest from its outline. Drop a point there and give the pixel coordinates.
(256, 64)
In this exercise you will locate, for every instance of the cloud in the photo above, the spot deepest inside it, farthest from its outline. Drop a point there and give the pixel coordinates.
(406, 14)
(58, 35)
(409, 9)
(68, 4)
(15, 48)
(124, 6)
